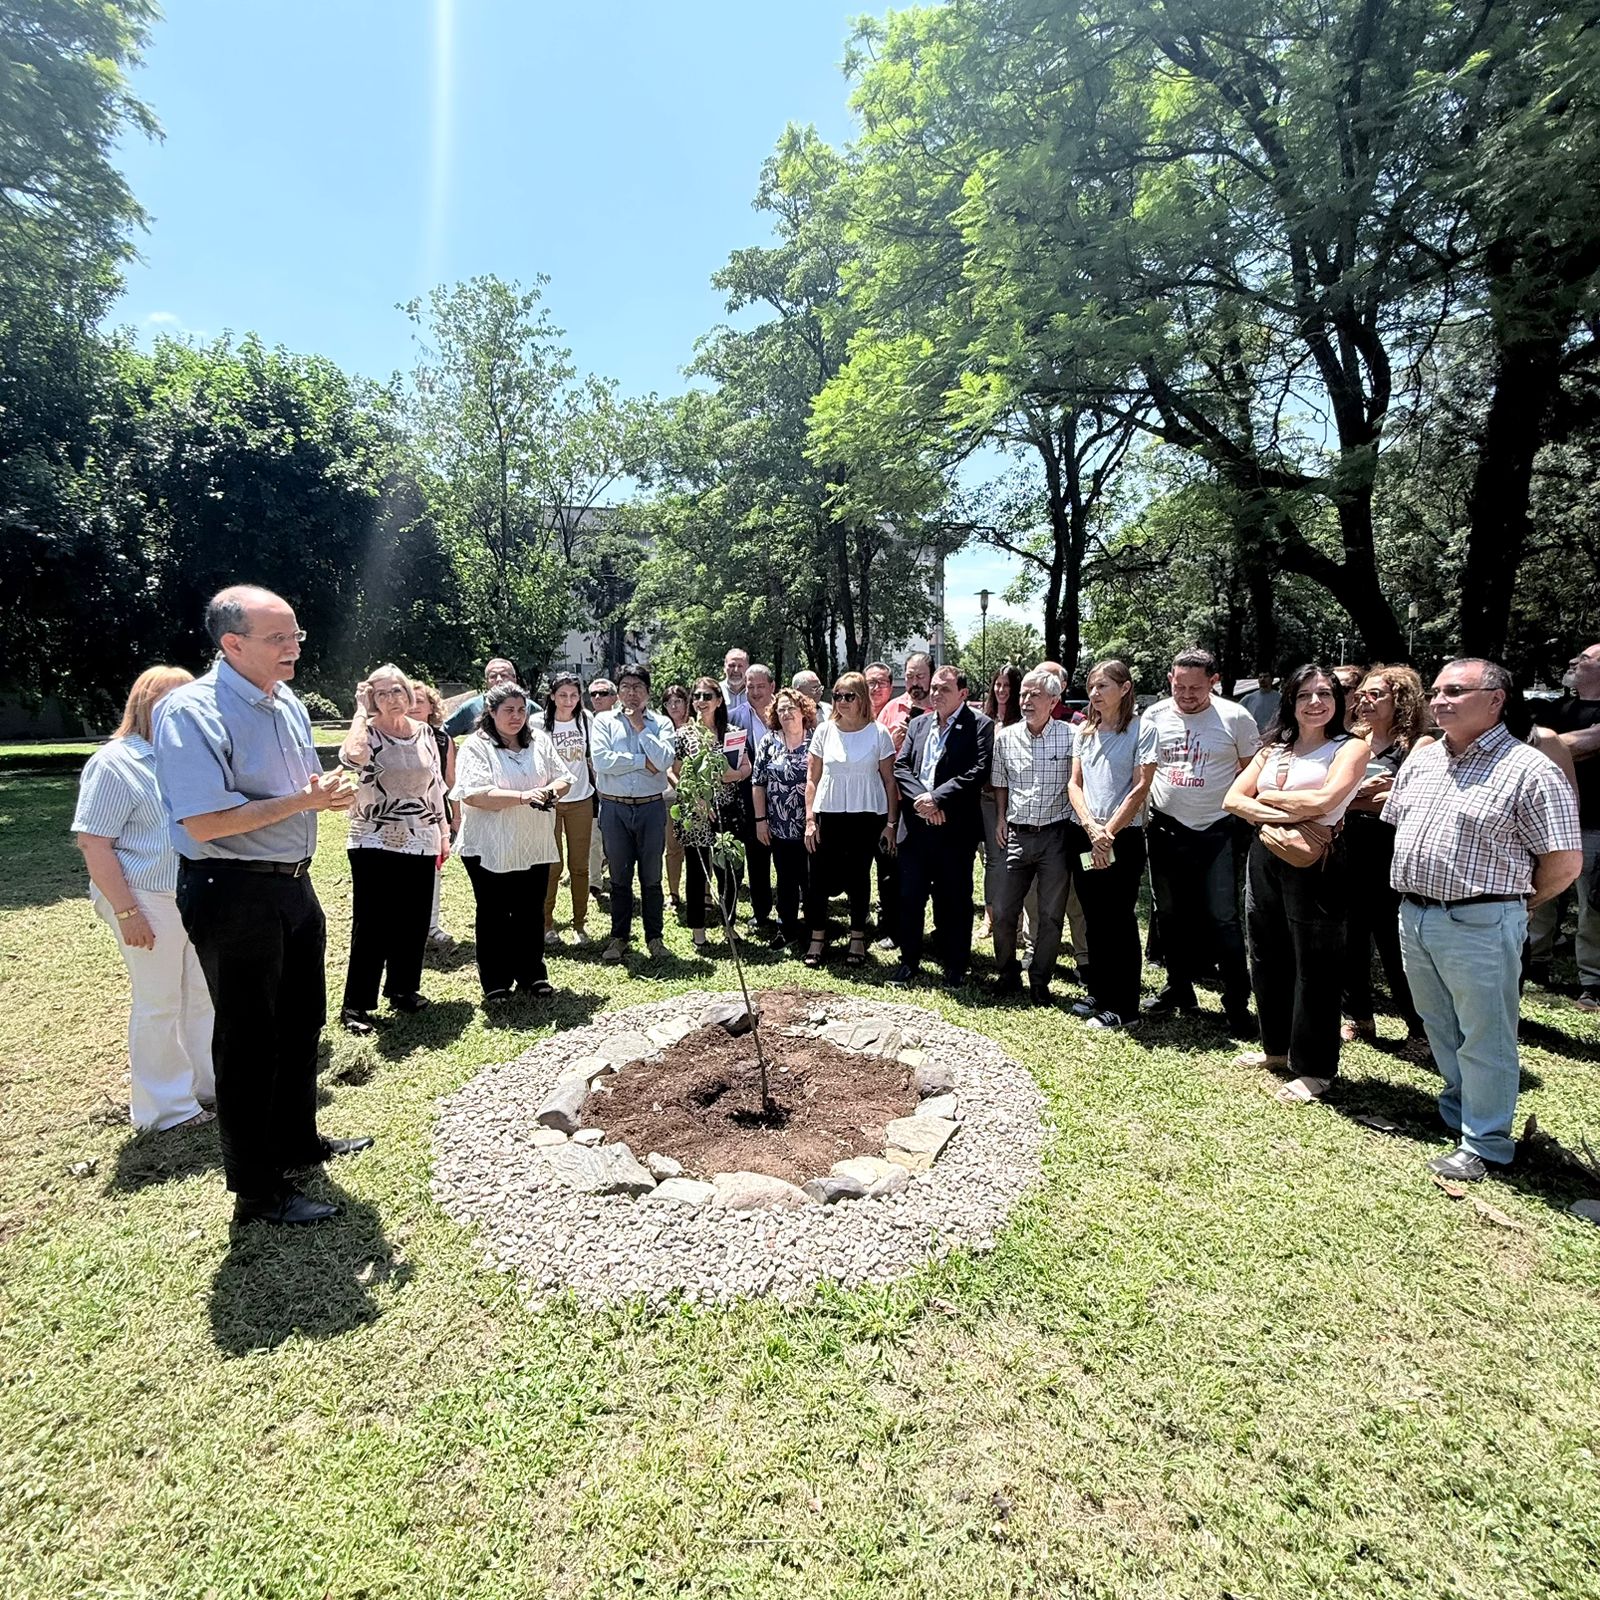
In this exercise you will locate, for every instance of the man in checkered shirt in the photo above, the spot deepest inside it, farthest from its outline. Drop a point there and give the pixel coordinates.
(1032, 762)
(1485, 828)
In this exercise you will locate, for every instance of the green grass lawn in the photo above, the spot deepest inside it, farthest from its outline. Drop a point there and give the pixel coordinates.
(1228, 1349)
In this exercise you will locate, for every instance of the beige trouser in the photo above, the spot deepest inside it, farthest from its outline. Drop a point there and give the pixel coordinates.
(575, 835)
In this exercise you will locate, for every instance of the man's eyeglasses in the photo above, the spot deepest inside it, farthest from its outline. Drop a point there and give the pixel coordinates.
(278, 641)
(602, 694)
(1454, 691)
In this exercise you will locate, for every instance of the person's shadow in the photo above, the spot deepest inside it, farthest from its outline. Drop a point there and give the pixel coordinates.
(314, 1281)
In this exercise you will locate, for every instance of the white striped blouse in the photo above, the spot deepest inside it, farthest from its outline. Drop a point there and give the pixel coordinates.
(118, 800)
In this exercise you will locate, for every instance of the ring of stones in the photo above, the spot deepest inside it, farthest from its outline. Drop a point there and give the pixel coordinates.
(490, 1172)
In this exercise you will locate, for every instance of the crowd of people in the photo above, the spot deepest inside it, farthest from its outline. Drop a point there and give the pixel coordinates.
(1359, 809)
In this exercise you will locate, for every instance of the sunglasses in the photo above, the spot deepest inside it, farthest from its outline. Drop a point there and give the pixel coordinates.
(602, 694)
(849, 694)
(704, 695)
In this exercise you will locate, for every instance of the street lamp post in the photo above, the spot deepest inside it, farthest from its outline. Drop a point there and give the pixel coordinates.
(983, 647)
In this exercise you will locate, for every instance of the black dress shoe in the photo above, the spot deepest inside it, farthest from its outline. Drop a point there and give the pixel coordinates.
(902, 975)
(953, 980)
(288, 1209)
(1008, 983)
(410, 1003)
(1240, 1023)
(1168, 1004)
(357, 1022)
(344, 1147)
(1039, 994)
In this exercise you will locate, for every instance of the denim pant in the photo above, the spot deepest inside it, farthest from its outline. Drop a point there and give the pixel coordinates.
(1194, 877)
(1542, 921)
(1463, 964)
(635, 836)
(1295, 920)
(1033, 856)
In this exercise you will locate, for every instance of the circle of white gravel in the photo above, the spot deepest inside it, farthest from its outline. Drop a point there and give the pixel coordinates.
(608, 1248)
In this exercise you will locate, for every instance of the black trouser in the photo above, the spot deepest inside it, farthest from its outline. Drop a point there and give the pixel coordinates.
(1295, 917)
(888, 869)
(789, 862)
(695, 887)
(1372, 917)
(261, 941)
(1196, 887)
(391, 907)
(757, 856)
(1110, 900)
(509, 929)
(934, 862)
(846, 844)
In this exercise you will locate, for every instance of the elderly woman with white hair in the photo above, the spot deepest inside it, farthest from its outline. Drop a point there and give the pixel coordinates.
(398, 832)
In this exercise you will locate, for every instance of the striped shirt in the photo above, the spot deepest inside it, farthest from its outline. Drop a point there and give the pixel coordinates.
(1034, 772)
(1472, 824)
(118, 799)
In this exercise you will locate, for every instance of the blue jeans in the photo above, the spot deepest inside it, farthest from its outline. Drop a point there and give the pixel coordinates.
(635, 836)
(1463, 964)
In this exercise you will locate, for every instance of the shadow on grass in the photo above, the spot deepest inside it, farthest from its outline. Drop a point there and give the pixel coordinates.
(146, 1159)
(399, 1034)
(566, 1008)
(1558, 1041)
(316, 1282)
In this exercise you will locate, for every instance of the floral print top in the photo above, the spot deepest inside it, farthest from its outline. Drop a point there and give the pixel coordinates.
(782, 773)
(400, 804)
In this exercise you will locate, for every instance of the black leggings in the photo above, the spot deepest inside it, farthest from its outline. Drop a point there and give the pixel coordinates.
(694, 890)
(510, 924)
(391, 904)
(847, 842)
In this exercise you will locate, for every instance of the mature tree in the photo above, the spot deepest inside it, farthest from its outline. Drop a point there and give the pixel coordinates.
(1004, 639)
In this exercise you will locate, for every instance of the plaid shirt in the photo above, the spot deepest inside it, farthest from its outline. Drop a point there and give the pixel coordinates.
(1034, 772)
(1471, 824)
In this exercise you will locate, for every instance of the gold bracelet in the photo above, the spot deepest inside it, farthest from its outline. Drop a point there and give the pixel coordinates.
(132, 911)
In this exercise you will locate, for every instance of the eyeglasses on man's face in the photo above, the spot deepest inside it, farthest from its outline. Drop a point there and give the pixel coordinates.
(1458, 691)
(278, 641)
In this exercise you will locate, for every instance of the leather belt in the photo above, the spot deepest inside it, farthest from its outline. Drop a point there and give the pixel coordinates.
(1034, 827)
(286, 869)
(1469, 900)
(631, 799)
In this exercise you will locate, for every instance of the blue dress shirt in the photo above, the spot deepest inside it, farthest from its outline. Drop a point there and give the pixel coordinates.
(618, 751)
(220, 743)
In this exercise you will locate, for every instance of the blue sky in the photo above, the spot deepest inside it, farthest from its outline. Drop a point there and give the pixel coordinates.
(325, 161)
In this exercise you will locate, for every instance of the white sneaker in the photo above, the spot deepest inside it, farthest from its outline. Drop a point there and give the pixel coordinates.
(580, 936)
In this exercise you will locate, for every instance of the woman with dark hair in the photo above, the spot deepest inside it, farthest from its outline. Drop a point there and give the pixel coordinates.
(1003, 706)
(698, 827)
(568, 725)
(1294, 793)
(508, 779)
(675, 707)
(778, 788)
(852, 811)
(1113, 762)
(398, 832)
(1391, 712)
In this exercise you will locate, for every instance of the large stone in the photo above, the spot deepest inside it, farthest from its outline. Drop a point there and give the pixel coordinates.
(663, 1167)
(588, 1068)
(606, 1169)
(831, 1190)
(937, 1105)
(589, 1136)
(867, 1038)
(753, 1191)
(1589, 1210)
(920, 1135)
(930, 1079)
(912, 1160)
(864, 1169)
(668, 1033)
(563, 1106)
(544, 1138)
(730, 1015)
(892, 1182)
(680, 1192)
(912, 1058)
(623, 1049)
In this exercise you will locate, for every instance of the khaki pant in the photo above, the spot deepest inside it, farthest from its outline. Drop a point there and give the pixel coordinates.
(574, 821)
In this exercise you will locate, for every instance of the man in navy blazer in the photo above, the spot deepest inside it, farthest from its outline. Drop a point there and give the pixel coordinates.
(941, 770)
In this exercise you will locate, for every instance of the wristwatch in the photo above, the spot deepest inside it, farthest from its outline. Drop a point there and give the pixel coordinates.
(132, 911)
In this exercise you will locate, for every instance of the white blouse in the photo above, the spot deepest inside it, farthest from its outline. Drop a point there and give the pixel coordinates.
(850, 778)
(1307, 769)
(518, 837)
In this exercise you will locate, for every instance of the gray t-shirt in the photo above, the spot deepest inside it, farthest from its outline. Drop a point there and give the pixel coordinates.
(1198, 757)
(1111, 762)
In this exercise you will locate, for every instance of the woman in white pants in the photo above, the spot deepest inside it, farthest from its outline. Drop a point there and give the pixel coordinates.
(122, 831)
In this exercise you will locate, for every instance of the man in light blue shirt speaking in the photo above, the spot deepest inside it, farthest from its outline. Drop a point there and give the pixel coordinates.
(242, 786)
(633, 749)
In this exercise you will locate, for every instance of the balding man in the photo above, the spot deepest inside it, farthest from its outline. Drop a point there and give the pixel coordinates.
(1485, 829)
(734, 667)
(809, 684)
(466, 716)
(242, 786)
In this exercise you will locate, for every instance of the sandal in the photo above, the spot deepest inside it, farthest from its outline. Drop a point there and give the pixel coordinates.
(813, 955)
(1259, 1058)
(1353, 1030)
(856, 957)
(1302, 1091)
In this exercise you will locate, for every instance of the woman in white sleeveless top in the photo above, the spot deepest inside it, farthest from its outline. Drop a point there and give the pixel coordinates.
(1307, 769)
